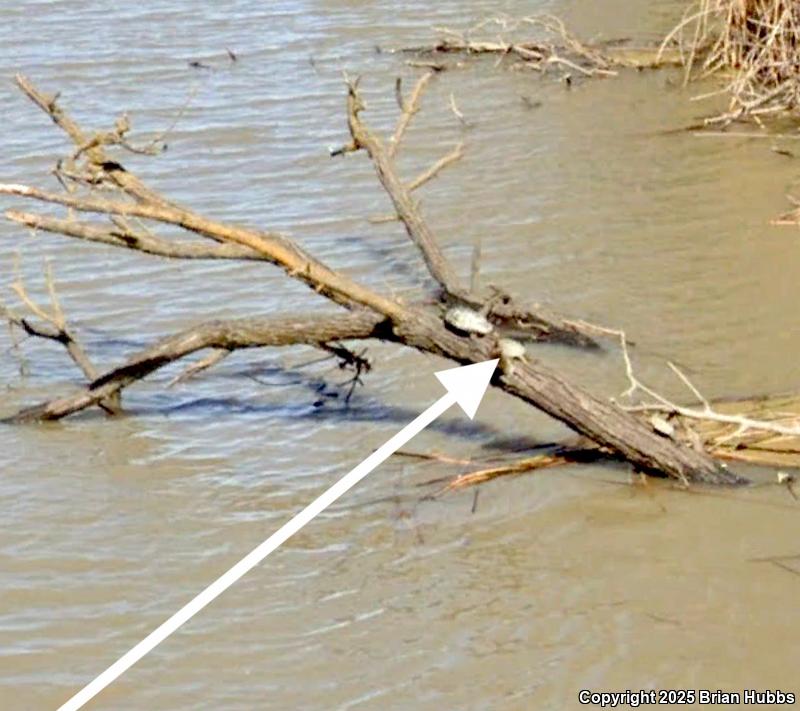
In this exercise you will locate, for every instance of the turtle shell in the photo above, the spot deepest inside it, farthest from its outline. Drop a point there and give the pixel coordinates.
(465, 320)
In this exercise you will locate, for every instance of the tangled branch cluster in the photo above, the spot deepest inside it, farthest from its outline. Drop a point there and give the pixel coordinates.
(538, 43)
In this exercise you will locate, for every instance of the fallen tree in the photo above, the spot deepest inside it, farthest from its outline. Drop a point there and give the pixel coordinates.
(96, 183)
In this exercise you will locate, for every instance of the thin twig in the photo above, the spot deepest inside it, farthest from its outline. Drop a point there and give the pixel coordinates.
(455, 155)
(409, 108)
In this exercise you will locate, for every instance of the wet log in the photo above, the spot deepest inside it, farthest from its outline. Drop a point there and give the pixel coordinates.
(534, 383)
(601, 421)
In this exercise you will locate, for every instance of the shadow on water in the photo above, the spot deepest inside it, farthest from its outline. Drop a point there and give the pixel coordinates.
(325, 401)
(358, 410)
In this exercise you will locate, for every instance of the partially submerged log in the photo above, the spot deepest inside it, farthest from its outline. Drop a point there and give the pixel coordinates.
(368, 314)
(722, 435)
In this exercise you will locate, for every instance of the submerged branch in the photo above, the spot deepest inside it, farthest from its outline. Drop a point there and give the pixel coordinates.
(55, 328)
(228, 335)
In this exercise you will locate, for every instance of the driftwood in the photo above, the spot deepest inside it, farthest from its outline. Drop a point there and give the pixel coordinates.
(128, 203)
(540, 43)
(534, 42)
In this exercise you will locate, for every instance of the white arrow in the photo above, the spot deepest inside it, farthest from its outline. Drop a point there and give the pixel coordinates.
(465, 386)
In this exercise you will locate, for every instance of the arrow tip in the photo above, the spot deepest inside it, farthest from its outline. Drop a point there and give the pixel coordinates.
(468, 383)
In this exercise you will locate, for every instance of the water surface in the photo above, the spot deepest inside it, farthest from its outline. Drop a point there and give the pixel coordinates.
(556, 582)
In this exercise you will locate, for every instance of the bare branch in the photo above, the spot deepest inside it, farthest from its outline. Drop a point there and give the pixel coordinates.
(688, 383)
(433, 66)
(404, 206)
(145, 242)
(216, 356)
(456, 154)
(409, 109)
(527, 322)
(275, 248)
(475, 267)
(456, 111)
(116, 172)
(226, 335)
(552, 43)
(705, 413)
(539, 461)
(56, 330)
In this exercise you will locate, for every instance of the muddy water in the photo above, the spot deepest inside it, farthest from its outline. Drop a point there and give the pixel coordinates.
(556, 582)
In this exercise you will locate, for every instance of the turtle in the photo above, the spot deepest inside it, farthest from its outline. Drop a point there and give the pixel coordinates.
(510, 350)
(662, 426)
(466, 321)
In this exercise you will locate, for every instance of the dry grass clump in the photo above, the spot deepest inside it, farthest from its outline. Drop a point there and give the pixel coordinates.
(756, 43)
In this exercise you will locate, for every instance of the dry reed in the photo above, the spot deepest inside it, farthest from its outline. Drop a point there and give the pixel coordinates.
(755, 44)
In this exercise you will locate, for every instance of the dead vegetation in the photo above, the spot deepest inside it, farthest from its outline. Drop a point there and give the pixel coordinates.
(540, 43)
(753, 45)
(653, 434)
(762, 431)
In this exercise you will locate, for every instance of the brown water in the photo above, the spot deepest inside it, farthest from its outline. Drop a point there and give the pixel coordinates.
(556, 582)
